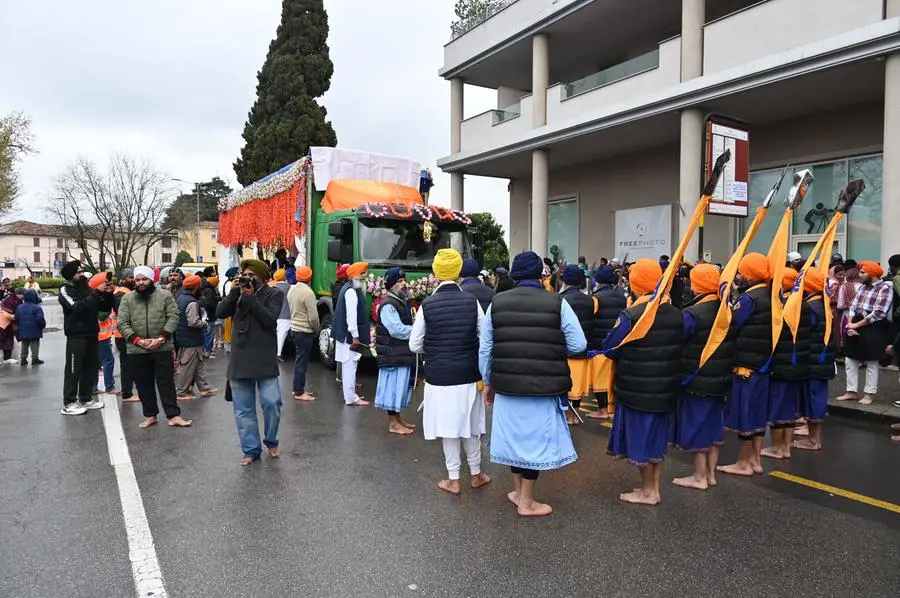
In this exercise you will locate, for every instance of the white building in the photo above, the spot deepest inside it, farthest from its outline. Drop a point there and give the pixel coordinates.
(602, 104)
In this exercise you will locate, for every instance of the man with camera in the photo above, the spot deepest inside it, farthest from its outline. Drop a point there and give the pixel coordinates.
(254, 307)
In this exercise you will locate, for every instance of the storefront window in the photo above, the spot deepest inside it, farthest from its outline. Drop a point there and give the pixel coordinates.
(562, 231)
(864, 239)
(817, 208)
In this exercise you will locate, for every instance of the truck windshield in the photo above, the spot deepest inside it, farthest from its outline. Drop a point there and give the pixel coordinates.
(400, 242)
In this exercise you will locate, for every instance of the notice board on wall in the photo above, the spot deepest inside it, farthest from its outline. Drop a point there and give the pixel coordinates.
(731, 195)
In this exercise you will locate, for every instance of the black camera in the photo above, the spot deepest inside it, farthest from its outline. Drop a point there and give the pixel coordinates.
(247, 282)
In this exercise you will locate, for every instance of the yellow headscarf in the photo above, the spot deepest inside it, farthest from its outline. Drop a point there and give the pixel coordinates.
(279, 275)
(447, 264)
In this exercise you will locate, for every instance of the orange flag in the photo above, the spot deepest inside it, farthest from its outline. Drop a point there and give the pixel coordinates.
(642, 326)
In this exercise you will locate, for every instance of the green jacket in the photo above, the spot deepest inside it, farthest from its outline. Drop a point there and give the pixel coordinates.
(156, 316)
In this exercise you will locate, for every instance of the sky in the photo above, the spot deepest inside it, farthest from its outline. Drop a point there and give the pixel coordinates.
(173, 80)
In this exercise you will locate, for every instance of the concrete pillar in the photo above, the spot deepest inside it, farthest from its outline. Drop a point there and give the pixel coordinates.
(890, 184)
(689, 175)
(540, 77)
(456, 115)
(540, 195)
(457, 191)
(693, 15)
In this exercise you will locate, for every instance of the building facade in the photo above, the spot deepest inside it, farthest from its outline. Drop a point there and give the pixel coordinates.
(209, 241)
(601, 107)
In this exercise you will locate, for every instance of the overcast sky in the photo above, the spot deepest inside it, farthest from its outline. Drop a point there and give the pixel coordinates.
(173, 80)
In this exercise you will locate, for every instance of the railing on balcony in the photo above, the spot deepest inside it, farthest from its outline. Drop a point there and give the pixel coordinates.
(491, 7)
(508, 113)
(623, 70)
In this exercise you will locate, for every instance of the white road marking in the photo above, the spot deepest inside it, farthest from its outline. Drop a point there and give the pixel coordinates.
(148, 579)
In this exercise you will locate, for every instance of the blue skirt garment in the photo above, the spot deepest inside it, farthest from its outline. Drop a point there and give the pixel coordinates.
(394, 390)
(699, 423)
(530, 432)
(814, 400)
(639, 436)
(747, 409)
(784, 401)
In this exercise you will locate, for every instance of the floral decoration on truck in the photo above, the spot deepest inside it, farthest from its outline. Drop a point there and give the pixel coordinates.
(415, 212)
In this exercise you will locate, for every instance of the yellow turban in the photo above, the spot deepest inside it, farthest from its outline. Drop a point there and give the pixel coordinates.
(644, 275)
(279, 275)
(357, 269)
(447, 264)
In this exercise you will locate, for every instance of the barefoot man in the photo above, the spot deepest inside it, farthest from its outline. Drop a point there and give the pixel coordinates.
(814, 401)
(526, 338)
(699, 417)
(148, 318)
(790, 370)
(396, 362)
(446, 330)
(747, 409)
(585, 308)
(350, 330)
(645, 383)
(611, 301)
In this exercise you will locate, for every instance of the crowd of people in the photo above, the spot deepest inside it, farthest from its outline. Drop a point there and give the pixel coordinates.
(532, 341)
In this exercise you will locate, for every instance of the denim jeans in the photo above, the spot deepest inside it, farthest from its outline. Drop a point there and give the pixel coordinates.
(108, 363)
(303, 342)
(243, 400)
(208, 339)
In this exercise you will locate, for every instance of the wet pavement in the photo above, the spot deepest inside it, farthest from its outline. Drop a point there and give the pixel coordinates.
(349, 510)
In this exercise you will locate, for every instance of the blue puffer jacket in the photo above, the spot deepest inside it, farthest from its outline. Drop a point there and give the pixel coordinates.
(30, 317)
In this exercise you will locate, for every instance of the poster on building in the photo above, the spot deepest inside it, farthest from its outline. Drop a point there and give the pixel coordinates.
(643, 232)
(730, 197)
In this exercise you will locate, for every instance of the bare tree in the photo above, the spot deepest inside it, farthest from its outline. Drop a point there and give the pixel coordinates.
(112, 214)
(15, 141)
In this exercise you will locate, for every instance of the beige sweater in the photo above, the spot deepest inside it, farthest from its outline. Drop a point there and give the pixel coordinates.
(304, 315)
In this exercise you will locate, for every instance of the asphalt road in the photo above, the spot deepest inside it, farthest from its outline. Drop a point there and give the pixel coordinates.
(349, 510)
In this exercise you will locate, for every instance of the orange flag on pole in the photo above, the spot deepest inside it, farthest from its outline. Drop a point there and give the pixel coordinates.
(642, 326)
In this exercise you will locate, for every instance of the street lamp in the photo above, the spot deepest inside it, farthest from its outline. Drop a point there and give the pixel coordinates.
(197, 232)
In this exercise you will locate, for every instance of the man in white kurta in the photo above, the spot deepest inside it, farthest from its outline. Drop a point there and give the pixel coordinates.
(446, 330)
(356, 329)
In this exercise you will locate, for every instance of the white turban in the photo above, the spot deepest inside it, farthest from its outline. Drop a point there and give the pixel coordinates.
(145, 271)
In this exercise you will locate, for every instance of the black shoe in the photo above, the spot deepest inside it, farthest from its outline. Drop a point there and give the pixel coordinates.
(23, 362)
(35, 362)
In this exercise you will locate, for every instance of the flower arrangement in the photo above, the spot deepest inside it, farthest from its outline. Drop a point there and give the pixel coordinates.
(418, 289)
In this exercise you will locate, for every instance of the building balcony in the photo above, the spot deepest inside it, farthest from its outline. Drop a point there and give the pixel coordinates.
(774, 26)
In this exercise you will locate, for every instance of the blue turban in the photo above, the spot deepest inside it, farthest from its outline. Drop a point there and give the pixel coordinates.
(501, 270)
(290, 274)
(605, 275)
(392, 276)
(527, 266)
(470, 269)
(232, 272)
(573, 276)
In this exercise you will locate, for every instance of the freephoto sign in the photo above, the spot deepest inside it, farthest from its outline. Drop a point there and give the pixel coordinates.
(644, 232)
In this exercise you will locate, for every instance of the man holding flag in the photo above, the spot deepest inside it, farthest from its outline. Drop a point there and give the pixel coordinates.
(814, 400)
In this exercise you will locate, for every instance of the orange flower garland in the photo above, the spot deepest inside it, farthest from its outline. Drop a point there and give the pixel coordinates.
(269, 222)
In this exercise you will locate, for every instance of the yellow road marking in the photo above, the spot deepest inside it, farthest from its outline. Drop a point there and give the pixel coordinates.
(873, 502)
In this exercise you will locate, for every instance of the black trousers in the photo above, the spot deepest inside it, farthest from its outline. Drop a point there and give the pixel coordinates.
(154, 371)
(125, 369)
(82, 363)
(602, 399)
(528, 474)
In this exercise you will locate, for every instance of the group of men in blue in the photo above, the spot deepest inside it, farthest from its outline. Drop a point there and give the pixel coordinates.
(532, 354)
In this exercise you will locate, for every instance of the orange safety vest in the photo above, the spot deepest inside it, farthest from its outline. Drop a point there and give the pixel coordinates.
(107, 328)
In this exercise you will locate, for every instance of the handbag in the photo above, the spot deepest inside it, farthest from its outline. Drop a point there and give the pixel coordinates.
(6, 319)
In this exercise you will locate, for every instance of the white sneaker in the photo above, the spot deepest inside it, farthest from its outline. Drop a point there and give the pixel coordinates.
(73, 409)
(10, 361)
(93, 404)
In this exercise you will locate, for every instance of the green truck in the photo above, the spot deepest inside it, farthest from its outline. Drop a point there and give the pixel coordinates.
(383, 223)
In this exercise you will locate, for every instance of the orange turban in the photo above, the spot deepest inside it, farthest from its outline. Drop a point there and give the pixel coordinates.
(192, 282)
(304, 273)
(790, 277)
(357, 269)
(871, 268)
(99, 279)
(213, 280)
(814, 282)
(705, 279)
(644, 275)
(754, 266)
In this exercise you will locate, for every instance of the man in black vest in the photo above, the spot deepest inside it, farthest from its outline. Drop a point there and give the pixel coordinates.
(350, 330)
(192, 322)
(790, 371)
(814, 401)
(446, 331)
(701, 403)
(645, 383)
(396, 362)
(585, 307)
(472, 284)
(611, 302)
(747, 410)
(526, 338)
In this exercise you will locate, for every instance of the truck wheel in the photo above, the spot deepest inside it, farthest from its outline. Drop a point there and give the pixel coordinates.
(325, 343)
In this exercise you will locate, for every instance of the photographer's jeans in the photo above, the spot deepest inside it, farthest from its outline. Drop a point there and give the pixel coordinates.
(108, 363)
(243, 396)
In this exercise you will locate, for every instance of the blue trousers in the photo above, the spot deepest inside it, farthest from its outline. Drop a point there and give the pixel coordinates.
(108, 363)
(208, 339)
(243, 400)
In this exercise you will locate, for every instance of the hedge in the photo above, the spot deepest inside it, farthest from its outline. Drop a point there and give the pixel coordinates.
(46, 284)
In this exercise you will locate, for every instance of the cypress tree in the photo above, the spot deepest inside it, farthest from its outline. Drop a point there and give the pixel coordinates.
(286, 119)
